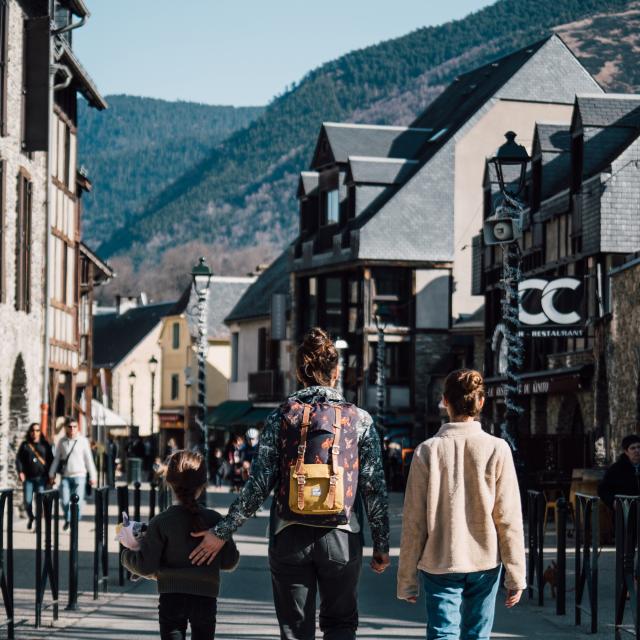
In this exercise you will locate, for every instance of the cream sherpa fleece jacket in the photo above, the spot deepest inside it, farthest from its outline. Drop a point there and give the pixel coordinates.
(462, 509)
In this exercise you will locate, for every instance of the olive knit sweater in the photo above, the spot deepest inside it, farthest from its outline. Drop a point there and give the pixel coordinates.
(164, 554)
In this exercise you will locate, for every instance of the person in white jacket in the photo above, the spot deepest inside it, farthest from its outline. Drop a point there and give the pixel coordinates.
(74, 462)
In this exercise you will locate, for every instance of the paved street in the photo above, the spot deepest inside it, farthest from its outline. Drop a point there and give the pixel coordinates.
(245, 608)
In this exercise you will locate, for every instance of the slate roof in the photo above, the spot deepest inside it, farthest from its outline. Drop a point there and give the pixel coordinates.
(608, 110)
(224, 294)
(115, 335)
(367, 170)
(308, 183)
(371, 140)
(81, 79)
(552, 138)
(256, 302)
(553, 143)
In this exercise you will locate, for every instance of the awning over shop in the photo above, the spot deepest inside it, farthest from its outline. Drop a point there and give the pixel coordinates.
(254, 418)
(104, 417)
(228, 413)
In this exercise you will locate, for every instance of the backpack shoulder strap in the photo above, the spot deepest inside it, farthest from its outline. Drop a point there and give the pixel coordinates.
(302, 447)
(335, 450)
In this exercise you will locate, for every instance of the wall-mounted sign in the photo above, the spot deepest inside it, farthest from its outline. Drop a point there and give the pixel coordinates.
(552, 308)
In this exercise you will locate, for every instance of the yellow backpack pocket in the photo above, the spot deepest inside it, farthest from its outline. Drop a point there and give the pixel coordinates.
(309, 491)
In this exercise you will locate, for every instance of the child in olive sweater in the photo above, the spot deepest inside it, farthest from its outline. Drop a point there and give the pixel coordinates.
(188, 593)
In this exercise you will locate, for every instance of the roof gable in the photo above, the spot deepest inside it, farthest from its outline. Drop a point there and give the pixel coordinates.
(337, 141)
(256, 302)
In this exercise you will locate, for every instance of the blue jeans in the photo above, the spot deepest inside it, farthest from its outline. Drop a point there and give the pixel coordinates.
(35, 485)
(461, 605)
(70, 486)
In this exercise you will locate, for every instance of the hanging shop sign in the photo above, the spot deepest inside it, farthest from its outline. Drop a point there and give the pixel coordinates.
(552, 308)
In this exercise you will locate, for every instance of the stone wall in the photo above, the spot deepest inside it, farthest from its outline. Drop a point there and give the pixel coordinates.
(623, 356)
(22, 333)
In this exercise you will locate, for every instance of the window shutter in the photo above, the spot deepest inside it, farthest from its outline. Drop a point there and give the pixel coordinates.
(36, 84)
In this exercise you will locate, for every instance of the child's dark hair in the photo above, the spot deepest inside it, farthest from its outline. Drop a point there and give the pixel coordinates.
(317, 358)
(464, 391)
(187, 475)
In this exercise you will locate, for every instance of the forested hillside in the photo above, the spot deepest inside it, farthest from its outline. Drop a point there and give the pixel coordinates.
(139, 146)
(241, 196)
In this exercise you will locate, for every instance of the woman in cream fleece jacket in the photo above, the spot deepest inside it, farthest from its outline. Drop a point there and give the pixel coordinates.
(462, 520)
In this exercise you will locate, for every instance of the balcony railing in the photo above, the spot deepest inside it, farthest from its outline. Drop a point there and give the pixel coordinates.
(265, 385)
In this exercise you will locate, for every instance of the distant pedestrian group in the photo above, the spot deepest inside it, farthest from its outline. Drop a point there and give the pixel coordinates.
(321, 457)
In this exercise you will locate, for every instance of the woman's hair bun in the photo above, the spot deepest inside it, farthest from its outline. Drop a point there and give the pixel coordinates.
(317, 358)
(464, 391)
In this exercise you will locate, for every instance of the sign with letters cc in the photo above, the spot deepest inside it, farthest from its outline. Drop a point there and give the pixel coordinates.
(552, 308)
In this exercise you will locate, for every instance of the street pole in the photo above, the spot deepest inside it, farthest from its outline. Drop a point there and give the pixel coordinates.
(153, 440)
(381, 391)
(203, 298)
(132, 380)
(340, 345)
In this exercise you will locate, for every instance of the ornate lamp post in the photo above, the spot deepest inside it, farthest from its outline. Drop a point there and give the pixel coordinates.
(153, 367)
(132, 383)
(510, 163)
(341, 346)
(201, 275)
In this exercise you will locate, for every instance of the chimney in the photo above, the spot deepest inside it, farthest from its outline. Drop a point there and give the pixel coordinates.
(125, 303)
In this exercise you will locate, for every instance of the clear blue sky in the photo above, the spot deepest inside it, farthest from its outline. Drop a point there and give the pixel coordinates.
(240, 52)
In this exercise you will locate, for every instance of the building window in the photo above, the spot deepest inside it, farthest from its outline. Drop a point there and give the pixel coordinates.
(332, 207)
(175, 386)
(397, 357)
(235, 338)
(175, 335)
(23, 244)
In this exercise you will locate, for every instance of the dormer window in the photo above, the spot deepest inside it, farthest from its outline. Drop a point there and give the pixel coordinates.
(331, 207)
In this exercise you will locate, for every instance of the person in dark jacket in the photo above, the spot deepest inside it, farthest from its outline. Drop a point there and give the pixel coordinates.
(623, 476)
(33, 460)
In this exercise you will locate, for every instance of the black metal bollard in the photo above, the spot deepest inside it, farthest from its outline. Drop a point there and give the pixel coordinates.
(587, 543)
(47, 566)
(6, 560)
(136, 501)
(101, 542)
(153, 490)
(535, 511)
(73, 554)
(561, 557)
(627, 518)
(123, 507)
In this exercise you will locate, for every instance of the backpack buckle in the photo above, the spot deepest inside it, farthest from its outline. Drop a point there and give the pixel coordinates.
(335, 449)
(301, 479)
(301, 449)
(333, 480)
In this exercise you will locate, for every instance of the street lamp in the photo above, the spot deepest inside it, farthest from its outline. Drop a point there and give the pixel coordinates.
(153, 367)
(341, 346)
(132, 382)
(201, 275)
(505, 227)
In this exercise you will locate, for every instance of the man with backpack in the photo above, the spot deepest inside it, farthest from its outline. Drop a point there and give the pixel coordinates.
(319, 454)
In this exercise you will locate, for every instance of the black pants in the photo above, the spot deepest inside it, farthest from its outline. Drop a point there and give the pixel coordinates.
(305, 560)
(176, 610)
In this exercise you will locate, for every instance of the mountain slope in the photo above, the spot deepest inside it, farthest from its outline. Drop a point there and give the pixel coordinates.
(242, 192)
(141, 145)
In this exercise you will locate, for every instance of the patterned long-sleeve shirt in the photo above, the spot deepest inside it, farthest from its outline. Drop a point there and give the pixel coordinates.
(265, 472)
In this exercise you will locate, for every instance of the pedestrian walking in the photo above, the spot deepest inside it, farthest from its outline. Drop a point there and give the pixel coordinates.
(33, 461)
(462, 518)
(74, 462)
(188, 594)
(318, 453)
(623, 476)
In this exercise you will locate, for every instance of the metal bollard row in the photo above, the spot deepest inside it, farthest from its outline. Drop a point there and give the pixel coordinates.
(536, 505)
(47, 556)
(101, 542)
(587, 544)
